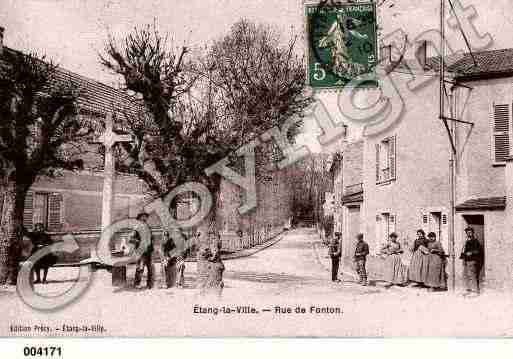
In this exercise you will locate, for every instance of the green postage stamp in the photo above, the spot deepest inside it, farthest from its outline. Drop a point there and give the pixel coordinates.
(342, 44)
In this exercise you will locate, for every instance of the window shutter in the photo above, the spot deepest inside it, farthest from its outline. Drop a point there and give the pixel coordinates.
(444, 229)
(377, 163)
(501, 135)
(392, 157)
(28, 213)
(54, 212)
(393, 221)
(425, 222)
(379, 229)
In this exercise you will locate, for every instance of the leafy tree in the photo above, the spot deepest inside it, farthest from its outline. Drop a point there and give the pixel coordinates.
(40, 134)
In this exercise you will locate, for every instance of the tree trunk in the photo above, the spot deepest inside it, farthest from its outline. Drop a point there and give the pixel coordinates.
(207, 249)
(11, 222)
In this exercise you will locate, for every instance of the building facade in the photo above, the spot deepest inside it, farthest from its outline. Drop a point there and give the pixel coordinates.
(405, 166)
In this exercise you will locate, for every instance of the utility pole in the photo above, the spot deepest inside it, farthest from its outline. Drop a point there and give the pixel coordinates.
(452, 214)
(451, 131)
(442, 58)
(452, 158)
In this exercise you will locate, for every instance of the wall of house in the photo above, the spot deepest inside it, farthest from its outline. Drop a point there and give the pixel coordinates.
(422, 162)
(353, 163)
(477, 174)
(422, 181)
(352, 176)
(80, 199)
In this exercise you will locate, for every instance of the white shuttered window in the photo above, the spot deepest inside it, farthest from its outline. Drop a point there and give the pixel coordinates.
(501, 132)
(386, 163)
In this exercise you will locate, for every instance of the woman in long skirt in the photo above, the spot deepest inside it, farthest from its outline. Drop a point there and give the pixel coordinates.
(418, 264)
(395, 271)
(435, 275)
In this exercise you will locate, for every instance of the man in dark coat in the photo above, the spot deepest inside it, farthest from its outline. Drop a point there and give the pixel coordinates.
(167, 260)
(40, 239)
(145, 260)
(360, 257)
(472, 256)
(335, 252)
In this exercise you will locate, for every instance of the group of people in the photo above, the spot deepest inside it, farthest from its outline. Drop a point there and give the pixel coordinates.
(360, 257)
(172, 263)
(427, 265)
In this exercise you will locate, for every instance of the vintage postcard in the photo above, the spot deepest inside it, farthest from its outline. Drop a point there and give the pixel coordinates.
(274, 168)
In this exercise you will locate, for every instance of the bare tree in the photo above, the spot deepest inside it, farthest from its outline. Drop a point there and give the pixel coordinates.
(200, 112)
(40, 134)
(157, 74)
(260, 80)
(309, 184)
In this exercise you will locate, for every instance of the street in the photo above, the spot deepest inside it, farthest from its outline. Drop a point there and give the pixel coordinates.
(289, 268)
(282, 290)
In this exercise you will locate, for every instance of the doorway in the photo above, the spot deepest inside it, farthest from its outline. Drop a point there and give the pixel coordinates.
(477, 223)
(353, 228)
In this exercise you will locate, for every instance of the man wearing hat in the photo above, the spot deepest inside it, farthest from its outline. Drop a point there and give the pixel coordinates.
(472, 256)
(145, 260)
(360, 258)
(335, 252)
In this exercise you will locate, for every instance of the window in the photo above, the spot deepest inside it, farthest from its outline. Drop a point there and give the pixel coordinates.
(45, 208)
(436, 221)
(40, 208)
(386, 160)
(385, 225)
(501, 132)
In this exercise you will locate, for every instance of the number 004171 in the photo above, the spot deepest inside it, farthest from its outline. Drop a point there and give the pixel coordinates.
(42, 351)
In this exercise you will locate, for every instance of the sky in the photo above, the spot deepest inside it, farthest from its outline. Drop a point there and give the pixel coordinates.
(73, 32)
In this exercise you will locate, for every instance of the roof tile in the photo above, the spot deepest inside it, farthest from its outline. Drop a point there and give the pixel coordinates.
(488, 203)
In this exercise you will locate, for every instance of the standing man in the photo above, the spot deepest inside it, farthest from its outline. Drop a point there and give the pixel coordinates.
(335, 253)
(145, 260)
(472, 256)
(41, 239)
(180, 269)
(167, 261)
(360, 257)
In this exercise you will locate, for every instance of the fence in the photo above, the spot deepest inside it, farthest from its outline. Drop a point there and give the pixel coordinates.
(231, 242)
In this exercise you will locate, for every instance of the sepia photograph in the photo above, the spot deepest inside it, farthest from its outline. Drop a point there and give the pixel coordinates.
(256, 169)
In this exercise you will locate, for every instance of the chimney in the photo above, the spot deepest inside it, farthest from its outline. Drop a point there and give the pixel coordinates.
(421, 54)
(1, 39)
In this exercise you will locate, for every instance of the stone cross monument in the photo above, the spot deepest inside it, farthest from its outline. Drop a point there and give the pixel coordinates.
(109, 138)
